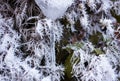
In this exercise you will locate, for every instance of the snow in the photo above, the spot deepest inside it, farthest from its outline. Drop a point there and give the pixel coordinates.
(54, 9)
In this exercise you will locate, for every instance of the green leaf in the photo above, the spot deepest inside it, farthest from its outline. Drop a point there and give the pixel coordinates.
(98, 51)
(68, 66)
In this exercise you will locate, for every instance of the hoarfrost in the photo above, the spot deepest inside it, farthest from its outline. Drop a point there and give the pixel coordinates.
(92, 67)
(27, 51)
(48, 78)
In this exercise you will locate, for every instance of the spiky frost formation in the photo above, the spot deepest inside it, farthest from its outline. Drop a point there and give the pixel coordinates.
(87, 66)
(28, 49)
(30, 30)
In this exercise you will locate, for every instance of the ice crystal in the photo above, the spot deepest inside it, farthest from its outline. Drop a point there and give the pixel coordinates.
(33, 32)
(92, 67)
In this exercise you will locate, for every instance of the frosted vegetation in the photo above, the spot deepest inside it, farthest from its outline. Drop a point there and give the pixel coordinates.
(59, 40)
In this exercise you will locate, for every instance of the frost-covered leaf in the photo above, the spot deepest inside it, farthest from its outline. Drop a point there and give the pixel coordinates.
(75, 46)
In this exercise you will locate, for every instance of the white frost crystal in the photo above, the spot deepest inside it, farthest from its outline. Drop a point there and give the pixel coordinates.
(92, 67)
(54, 9)
(83, 33)
(48, 78)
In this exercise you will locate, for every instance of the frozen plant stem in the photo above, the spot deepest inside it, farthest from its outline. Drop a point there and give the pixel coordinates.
(52, 46)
